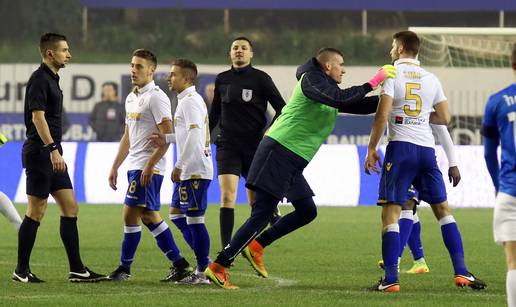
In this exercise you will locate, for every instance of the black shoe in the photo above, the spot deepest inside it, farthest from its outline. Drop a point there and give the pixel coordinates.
(26, 277)
(382, 286)
(275, 216)
(120, 274)
(177, 274)
(85, 276)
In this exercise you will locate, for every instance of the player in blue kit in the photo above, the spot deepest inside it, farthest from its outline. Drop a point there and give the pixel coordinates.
(409, 103)
(410, 226)
(499, 127)
(193, 170)
(148, 111)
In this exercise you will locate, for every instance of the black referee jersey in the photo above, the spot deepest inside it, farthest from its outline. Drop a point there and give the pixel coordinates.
(240, 104)
(44, 94)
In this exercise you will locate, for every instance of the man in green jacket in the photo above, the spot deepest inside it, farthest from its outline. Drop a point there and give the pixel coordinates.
(292, 141)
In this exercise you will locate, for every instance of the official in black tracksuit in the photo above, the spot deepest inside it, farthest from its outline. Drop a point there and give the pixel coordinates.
(239, 108)
(44, 165)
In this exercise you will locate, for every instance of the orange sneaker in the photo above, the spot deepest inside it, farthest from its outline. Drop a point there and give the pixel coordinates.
(469, 280)
(218, 275)
(254, 254)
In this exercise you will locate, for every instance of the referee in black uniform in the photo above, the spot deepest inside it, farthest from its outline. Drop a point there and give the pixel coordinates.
(239, 107)
(44, 166)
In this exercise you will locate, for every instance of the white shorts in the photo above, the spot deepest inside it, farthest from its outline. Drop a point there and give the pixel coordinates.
(504, 219)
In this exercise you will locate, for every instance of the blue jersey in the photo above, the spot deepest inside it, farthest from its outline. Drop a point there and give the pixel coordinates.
(500, 124)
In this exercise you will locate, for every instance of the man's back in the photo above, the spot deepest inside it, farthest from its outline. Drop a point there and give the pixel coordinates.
(500, 113)
(415, 91)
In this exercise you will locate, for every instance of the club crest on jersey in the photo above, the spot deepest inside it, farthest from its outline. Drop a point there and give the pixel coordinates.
(388, 166)
(247, 95)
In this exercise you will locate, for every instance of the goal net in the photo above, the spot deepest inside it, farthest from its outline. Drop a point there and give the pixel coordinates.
(465, 47)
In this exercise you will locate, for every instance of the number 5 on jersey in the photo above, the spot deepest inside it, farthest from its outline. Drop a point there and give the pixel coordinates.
(410, 95)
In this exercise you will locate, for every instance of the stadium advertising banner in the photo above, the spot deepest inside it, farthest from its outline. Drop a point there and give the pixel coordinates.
(81, 85)
(335, 174)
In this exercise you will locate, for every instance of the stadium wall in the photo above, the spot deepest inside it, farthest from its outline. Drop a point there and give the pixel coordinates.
(335, 174)
(466, 88)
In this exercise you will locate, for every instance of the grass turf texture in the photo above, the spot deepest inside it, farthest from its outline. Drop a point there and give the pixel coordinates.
(327, 263)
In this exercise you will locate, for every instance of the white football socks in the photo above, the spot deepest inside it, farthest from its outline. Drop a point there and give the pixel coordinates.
(510, 284)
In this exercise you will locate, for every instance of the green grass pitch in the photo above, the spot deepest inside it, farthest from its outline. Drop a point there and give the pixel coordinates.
(327, 263)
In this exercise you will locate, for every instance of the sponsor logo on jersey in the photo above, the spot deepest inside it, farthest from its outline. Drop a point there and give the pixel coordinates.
(247, 95)
(399, 120)
(415, 121)
(133, 116)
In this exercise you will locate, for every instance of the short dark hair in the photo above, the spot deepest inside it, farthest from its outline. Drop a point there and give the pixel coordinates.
(324, 54)
(49, 41)
(146, 54)
(113, 84)
(409, 40)
(243, 38)
(188, 68)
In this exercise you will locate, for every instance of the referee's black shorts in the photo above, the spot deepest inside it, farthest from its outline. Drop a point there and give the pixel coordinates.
(234, 158)
(41, 179)
(278, 171)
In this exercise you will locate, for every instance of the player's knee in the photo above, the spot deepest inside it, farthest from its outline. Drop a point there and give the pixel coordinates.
(36, 210)
(441, 210)
(228, 199)
(390, 214)
(308, 211)
(70, 211)
(311, 214)
(150, 217)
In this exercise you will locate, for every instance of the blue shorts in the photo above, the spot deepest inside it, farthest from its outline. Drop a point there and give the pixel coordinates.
(191, 196)
(139, 196)
(278, 171)
(408, 164)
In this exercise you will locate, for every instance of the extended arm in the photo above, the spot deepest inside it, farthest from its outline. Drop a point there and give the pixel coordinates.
(368, 105)
(316, 86)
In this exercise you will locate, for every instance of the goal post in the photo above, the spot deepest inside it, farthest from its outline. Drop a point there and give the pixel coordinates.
(465, 47)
